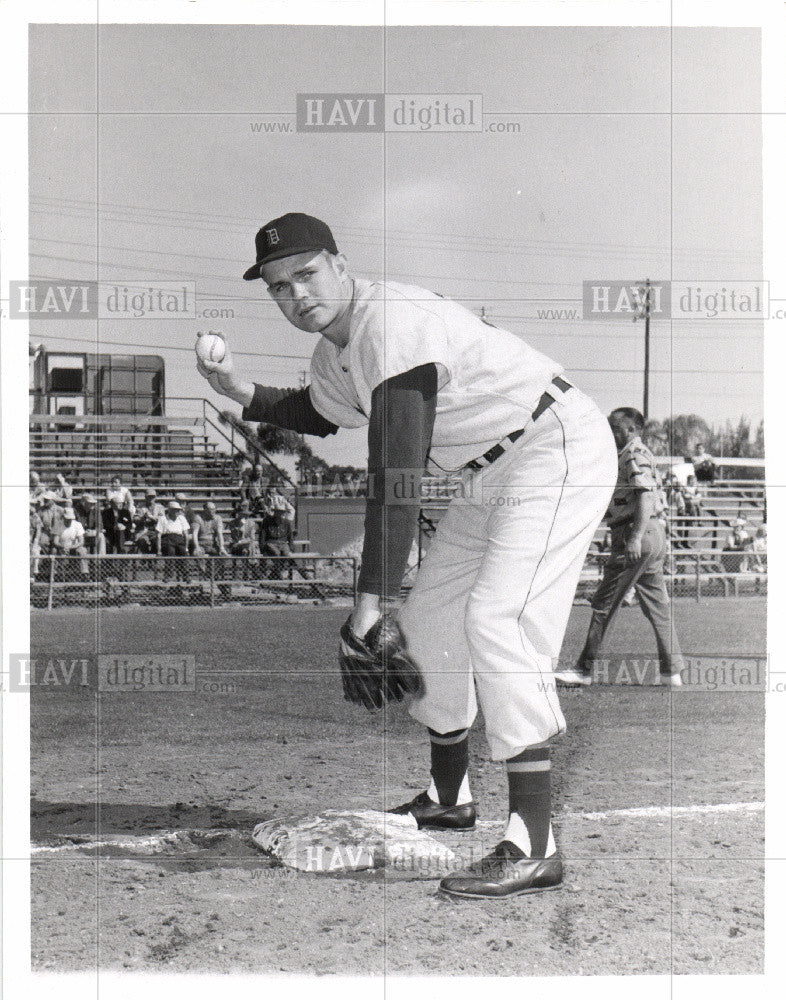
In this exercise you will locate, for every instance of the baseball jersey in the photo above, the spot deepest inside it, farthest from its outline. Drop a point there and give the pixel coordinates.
(636, 473)
(489, 380)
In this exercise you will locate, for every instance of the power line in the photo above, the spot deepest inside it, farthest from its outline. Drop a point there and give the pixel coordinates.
(358, 232)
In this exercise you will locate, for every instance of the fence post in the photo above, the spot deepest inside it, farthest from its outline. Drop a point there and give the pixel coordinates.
(212, 582)
(51, 583)
(355, 579)
(698, 577)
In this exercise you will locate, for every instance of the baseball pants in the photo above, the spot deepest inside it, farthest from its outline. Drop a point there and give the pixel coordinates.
(486, 616)
(647, 577)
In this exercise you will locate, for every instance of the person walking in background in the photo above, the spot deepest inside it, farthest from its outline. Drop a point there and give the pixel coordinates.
(638, 550)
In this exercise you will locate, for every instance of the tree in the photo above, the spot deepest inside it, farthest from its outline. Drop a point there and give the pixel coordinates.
(683, 432)
(655, 437)
(758, 446)
(276, 439)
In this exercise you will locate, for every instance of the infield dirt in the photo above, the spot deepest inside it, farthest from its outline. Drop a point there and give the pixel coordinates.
(268, 733)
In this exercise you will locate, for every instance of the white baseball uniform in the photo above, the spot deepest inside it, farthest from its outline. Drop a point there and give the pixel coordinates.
(487, 614)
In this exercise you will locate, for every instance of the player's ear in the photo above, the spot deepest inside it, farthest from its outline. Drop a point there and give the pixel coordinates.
(339, 262)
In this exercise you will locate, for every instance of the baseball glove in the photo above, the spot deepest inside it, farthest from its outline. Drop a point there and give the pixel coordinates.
(377, 668)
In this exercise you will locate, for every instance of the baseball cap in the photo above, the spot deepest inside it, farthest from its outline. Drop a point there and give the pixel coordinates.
(69, 512)
(290, 234)
(173, 505)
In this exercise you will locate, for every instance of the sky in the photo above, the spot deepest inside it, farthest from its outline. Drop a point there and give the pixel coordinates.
(633, 158)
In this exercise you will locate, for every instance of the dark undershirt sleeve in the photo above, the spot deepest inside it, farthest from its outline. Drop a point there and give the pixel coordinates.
(399, 437)
(291, 409)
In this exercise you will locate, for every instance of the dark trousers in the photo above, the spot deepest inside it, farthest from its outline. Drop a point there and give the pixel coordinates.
(647, 577)
(175, 545)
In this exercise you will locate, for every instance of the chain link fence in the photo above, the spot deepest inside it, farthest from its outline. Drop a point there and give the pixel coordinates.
(168, 581)
(177, 581)
(696, 573)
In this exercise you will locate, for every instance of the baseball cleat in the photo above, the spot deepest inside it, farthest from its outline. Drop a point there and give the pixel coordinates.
(671, 680)
(507, 871)
(432, 815)
(573, 678)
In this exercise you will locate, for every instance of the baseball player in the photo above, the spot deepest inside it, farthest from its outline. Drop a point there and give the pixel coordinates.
(638, 549)
(486, 616)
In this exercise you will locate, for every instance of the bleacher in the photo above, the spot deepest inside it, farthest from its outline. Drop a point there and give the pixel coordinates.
(182, 455)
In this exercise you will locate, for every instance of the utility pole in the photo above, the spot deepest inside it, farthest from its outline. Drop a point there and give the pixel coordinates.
(642, 311)
(303, 382)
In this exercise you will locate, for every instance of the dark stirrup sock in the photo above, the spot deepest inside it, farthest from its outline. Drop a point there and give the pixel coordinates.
(449, 763)
(529, 788)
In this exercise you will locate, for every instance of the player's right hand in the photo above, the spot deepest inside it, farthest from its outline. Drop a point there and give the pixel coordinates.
(219, 374)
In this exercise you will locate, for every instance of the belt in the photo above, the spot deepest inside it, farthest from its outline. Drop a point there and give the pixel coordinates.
(546, 400)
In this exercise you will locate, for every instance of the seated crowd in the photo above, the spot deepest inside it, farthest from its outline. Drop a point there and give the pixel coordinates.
(63, 523)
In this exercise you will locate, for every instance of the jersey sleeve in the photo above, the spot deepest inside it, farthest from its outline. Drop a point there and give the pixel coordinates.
(291, 409)
(400, 428)
(640, 470)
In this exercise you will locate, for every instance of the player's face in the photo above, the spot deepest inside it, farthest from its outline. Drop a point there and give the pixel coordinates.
(622, 429)
(311, 290)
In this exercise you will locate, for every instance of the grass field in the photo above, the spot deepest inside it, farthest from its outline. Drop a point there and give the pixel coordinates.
(267, 733)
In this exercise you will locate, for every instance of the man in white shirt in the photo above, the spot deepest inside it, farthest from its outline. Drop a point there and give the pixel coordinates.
(72, 539)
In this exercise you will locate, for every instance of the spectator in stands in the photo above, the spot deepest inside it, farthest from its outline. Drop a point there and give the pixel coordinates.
(211, 534)
(275, 500)
(36, 486)
(276, 532)
(172, 535)
(738, 543)
(243, 532)
(122, 494)
(148, 514)
(36, 527)
(64, 492)
(52, 523)
(245, 473)
(118, 526)
(88, 512)
(194, 519)
(759, 549)
(703, 464)
(254, 492)
(172, 531)
(690, 493)
(72, 539)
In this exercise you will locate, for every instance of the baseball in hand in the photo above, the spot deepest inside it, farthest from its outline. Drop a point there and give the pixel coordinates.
(210, 347)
